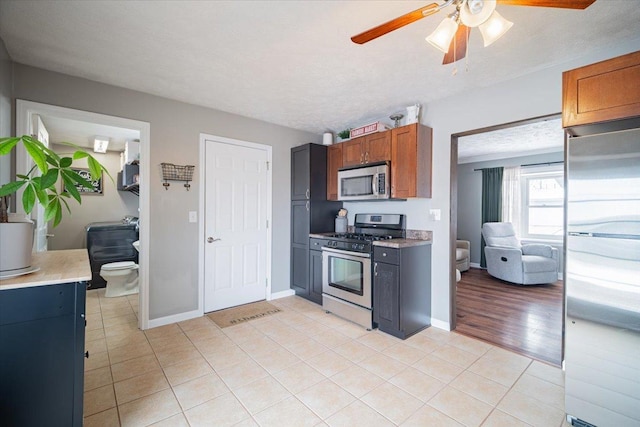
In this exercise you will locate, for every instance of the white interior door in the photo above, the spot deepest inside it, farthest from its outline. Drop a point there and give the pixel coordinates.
(40, 133)
(235, 224)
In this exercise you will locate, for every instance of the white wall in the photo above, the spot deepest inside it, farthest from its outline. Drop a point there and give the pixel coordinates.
(175, 133)
(5, 109)
(111, 205)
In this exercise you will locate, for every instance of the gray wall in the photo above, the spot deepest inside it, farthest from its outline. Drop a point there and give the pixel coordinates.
(470, 195)
(5, 109)
(175, 132)
(112, 205)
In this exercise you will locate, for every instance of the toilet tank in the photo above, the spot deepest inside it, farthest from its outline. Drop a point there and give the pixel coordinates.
(109, 242)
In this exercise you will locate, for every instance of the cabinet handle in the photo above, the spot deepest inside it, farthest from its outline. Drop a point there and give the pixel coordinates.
(361, 158)
(375, 268)
(384, 254)
(86, 354)
(307, 205)
(366, 157)
(307, 193)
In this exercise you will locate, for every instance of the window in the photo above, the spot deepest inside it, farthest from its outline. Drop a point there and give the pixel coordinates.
(543, 202)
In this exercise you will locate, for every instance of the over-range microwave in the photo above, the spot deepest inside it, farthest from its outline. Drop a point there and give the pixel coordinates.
(369, 182)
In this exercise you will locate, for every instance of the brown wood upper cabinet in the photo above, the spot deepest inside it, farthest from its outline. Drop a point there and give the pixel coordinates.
(372, 148)
(334, 162)
(411, 152)
(602, 92)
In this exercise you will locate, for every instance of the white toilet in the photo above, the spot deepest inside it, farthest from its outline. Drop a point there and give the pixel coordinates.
(121, 277)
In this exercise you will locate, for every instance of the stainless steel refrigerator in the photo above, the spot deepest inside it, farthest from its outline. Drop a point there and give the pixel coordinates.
(602, 330)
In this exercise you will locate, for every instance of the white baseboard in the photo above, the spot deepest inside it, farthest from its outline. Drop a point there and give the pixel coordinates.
(440, 324)
(282, 294)
(474, 265)
(161, 321)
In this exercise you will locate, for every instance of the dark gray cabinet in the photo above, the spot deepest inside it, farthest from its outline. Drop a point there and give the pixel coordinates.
(310, 212)
(402, 289)
(42, 355)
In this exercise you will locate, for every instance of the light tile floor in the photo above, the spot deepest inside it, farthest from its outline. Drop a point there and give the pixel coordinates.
(303, 367)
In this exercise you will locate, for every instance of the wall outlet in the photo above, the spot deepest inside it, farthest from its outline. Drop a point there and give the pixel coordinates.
(193, 216)
(434, 214)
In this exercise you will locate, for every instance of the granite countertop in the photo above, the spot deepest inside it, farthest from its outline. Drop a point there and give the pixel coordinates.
(55, 267)
(413, 238)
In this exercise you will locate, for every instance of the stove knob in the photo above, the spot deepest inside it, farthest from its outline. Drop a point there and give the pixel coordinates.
(354, 246)
(361, 246)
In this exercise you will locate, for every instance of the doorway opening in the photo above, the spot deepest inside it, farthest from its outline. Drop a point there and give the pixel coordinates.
(482, 306)
(71, 125)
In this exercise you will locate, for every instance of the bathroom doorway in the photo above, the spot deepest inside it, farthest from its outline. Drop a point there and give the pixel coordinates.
(81, 127)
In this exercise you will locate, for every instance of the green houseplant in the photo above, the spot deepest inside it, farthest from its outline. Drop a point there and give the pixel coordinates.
(40, 186)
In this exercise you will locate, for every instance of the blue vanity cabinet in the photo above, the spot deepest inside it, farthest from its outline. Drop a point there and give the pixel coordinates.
(42, 334)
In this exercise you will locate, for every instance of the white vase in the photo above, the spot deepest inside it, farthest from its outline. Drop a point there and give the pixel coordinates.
(16, 245)
(413, 114)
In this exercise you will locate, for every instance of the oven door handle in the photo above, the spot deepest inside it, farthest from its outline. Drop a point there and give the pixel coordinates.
(346, 253)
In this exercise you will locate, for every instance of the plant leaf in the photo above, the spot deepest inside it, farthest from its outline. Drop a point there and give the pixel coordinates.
(43, 197)
(11, 187)
(65, 162)
(80, 155)
(7, 144)
(49, 179)
(50, 210)
(70, 186)
(34, 148)
(28, 198)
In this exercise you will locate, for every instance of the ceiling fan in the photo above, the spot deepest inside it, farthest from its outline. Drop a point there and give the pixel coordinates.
(452, 35)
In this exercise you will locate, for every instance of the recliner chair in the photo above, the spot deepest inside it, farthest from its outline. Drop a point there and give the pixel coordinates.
(510, 261)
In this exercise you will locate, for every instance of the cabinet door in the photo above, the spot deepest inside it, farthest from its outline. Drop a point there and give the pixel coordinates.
(300, 173)
(315, 276)
(334, 162)
(378, 147)
(403, 162)
(300, 222)
(386, 302)
(353, 152)
(601, 92)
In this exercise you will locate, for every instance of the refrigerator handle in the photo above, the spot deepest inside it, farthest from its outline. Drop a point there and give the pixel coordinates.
(581, 234)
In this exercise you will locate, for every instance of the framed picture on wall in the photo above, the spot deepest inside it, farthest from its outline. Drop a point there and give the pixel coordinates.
(96, 188)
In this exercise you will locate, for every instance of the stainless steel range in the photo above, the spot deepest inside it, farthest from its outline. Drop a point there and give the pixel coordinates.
(347, 288)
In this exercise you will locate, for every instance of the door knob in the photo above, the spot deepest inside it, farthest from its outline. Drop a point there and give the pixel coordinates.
(211, 239)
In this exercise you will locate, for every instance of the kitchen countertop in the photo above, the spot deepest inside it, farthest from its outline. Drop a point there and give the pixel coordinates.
(414, 238)
(55, 267)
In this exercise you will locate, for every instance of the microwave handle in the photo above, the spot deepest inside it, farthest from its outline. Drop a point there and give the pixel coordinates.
(374, 184)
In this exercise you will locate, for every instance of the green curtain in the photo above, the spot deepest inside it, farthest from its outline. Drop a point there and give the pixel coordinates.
(491, 202)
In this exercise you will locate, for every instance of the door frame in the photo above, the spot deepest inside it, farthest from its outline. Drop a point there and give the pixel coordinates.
(453, 218)
(24, 113)
(208, 138)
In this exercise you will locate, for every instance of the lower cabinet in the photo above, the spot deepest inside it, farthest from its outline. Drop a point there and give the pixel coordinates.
(402, 289)
(42, 355)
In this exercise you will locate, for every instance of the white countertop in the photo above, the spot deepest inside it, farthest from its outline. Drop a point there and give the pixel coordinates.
(55, 267)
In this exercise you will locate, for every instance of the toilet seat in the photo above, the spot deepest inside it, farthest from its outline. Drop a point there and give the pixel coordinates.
(120, 265)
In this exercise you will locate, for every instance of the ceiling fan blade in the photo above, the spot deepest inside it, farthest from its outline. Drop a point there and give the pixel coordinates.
(458, 46)
(563, 4)
(394, 24)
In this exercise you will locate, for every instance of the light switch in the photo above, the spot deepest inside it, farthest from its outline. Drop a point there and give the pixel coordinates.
(193, 216)
(434, 214)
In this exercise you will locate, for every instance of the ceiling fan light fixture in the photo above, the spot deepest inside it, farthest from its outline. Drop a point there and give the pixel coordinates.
(494, 28)
(475, 12)
(443, 34)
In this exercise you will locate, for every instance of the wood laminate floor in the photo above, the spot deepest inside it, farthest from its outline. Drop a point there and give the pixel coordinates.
(524, 319)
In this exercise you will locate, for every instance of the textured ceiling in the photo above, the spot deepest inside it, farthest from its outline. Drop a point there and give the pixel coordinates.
(292, 62)
(546, 136)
